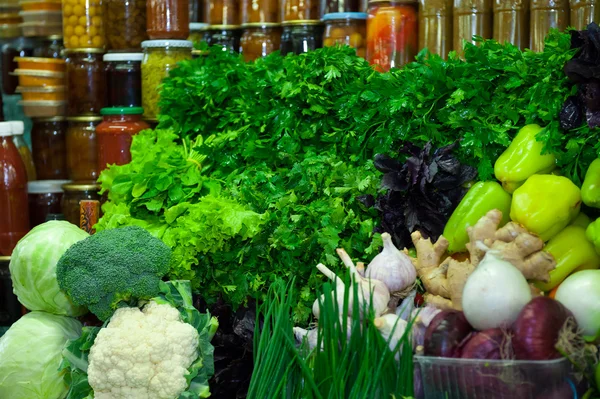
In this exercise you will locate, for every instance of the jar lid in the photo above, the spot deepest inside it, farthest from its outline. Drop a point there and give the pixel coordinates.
(167, 43)
(42, 13)
(85, 50)
(40, 89)
(123, 57)
(80, 187)
(261, 25)
(18, 128)
(55, 216)
(5, 129)
(46, 186)
(4, 258)
(302, 22)
(41, 103)
(198, 26)
(50, 119)
(122, 111)
(345, 15)
(224, 27)
(91, 118)
(52, 37)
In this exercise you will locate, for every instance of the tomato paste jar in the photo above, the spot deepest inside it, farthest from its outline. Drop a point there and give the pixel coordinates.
(14, 213)
(82, 148)
(115, 134)
(392, 33)
(168, 19)
(48, 147)
(45, 197)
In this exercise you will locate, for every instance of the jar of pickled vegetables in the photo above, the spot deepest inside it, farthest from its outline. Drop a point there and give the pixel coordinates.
(260, 40)
(471, 17)
(82, 148)
(392, 33)
(48, 148)
(18, 128)
(168, 19)
(197, 32)
(227, 36)
(511, 22)
(255, 11)
(584, 12)
(222, 12)
(86, 86)
(336, 6)
(125, 24)
(299, 10)
(546, 15)
(346, 28)
(160, 56)
(123, 79)
(301, 36)
(83, 24)
(435, 26)
(73, 194)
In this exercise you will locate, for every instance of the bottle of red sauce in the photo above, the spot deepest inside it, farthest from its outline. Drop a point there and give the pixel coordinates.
(14, 212)
(115, 133)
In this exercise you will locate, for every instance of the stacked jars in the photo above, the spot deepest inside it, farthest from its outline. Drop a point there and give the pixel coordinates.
(302, 26)
(261, 23)
(224, 19)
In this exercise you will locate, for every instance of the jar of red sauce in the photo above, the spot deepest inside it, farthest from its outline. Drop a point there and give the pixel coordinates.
(45, 198)
(115, 134)
(392, 33)
(168, 19)
(14, 213)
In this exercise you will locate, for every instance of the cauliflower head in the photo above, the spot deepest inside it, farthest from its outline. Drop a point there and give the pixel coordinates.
(143, 354)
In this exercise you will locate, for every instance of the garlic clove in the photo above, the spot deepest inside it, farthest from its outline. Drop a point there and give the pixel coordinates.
(393, 267)
(392, 329)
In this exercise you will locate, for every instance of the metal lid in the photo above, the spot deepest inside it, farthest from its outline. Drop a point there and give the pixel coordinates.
(195, 26)
(302, 22)
(41, 103)
(80, 187)
(345, 15)
(261, 25)
(5, 129)
(224, 27)
(89, 118)
(46, 186)
(50, 119)
(167, 43)
(85, 50)
(122, 111)
(123, 57)
(4, 258)
(43, 13)
(18, 128)
(393, 1)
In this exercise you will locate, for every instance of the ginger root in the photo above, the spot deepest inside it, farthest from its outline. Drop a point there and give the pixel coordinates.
(444, 277)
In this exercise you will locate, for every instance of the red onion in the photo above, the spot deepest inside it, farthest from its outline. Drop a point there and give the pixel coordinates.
(539, 327)
(446, 334)
(494, 343)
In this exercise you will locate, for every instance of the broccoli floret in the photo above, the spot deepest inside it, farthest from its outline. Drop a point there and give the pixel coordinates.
(112, 266)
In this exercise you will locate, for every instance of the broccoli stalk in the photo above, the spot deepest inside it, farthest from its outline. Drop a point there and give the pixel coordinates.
(112, 268)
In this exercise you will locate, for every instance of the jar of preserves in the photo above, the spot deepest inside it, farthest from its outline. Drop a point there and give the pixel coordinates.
(86, 88)
(301, 36)
(260, 40)
(197, 32)
(197, 10)
(14, 214)
(335, 6)
(83, 24)
(260, 11)
(584, 12)
(45, 197)
(18, 128)
(168, 19)
(435, 26)
(227, 36)
(298, 10)
(471, 17)
(49, 47)
(49, 148)
(392, 33)
(346, 28)
(115, 134)
(82, 148)
(20, 47)
(222, 12)
(511, 22)
(546, 15)
(125, 24)
(123, 79)
(75, 193)
(160, 56)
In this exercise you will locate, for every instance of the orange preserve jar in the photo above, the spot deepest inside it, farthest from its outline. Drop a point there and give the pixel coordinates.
(115, 133)
(82, 148)
(260, 40)
(222, 12)
(168, 19)
(255, 11)
(346, 28)
(392, 33)
(14, 211)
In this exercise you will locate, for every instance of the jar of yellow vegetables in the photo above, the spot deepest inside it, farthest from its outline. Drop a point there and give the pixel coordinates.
(83, 24)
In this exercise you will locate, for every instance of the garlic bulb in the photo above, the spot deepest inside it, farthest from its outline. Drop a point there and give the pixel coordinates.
(392, 329)
(392, 266)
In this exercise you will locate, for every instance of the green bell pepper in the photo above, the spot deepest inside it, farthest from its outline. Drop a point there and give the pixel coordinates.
(571, 251)
(593, 234)
(546, 204)
(590, 189)
(481, 198)
(581, 220)
(522, 159)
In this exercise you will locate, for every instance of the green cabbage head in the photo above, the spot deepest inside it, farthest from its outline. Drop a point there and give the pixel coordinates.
(33, 268)
(31, 353)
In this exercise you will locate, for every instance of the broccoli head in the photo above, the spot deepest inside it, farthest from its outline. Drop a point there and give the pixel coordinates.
(113, 266)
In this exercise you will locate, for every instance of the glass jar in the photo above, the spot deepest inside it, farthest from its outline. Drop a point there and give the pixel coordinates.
(160, 56)
(197, 32)
(392, 34)
(18, 128)
(20, 47)
(255, 11)
(301, 36)
(346, 28)
(545, 15)
(125, 24)
(227, 36)
(584, 12)
(168, 19)
(260, 40)
(115, 134)
(336, 6)
(83, 24)
(222, 12)
(45, 197)
(298, 10)
(82, 148)
(123, 79)
(511, 22)
(14, 214)
(86, 88)
(49, 148)
(197, 11)
(471, 17)
(75, 193)
(49, 47)
(435, 26)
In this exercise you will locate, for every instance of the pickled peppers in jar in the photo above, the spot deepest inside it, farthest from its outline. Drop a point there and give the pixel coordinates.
(471, 17)
(125, 24)
(392, 34)
(260, 40)
(83, 24)
(346, 28)
(435, 26)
